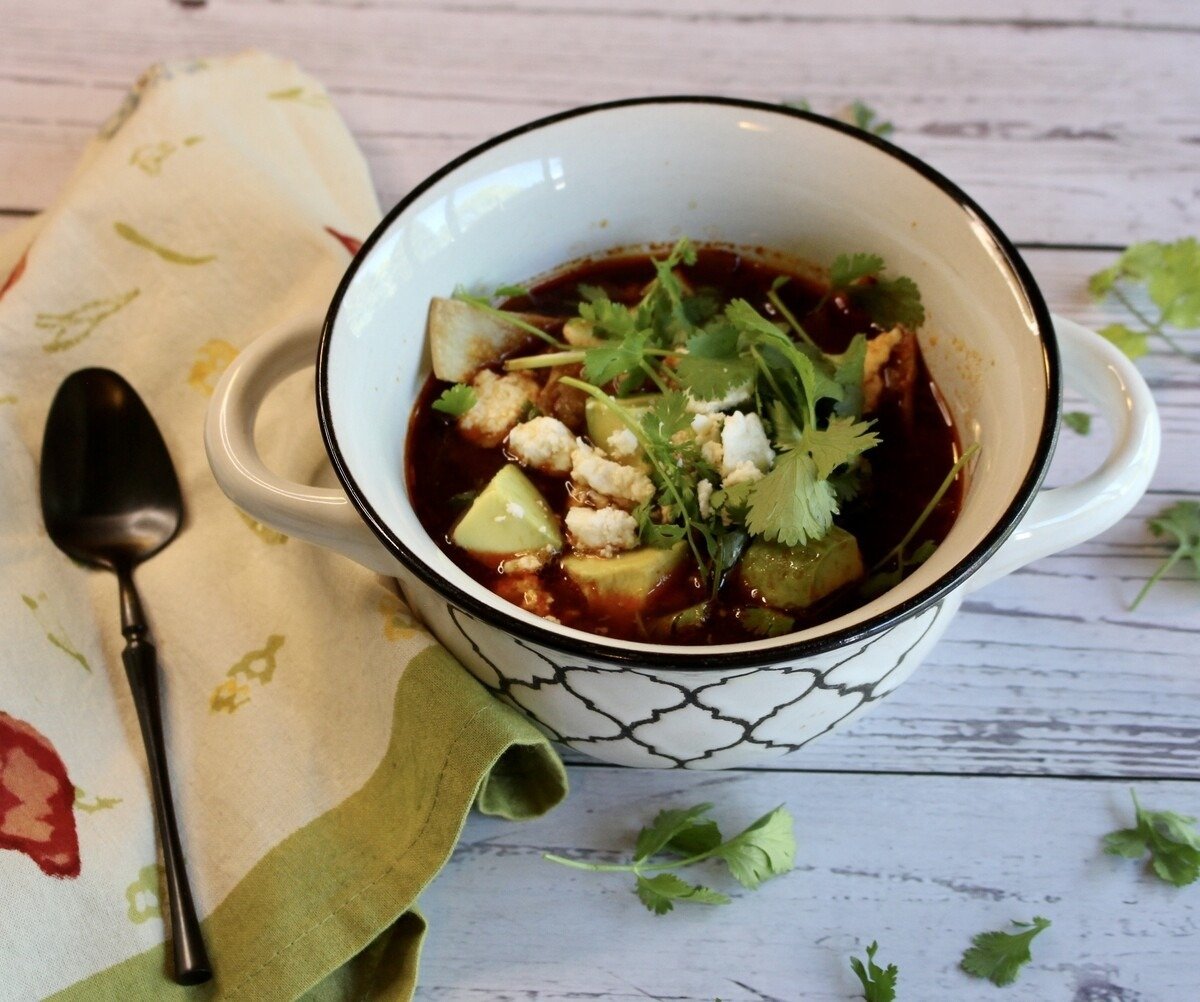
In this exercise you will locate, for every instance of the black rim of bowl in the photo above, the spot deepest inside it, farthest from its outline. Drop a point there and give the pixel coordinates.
(700, 658)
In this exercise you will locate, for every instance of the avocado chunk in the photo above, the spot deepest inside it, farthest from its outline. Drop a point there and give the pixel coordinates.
(681, 623)
(509, 517)
(602, 421)
(795, 577)
(626, 579)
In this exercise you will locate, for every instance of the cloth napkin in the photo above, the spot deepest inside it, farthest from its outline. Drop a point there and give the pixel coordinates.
(324, 749)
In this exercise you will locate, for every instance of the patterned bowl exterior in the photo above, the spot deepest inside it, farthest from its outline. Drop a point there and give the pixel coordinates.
(682, 719)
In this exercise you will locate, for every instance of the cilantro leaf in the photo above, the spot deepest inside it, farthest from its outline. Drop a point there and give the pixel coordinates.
(766, 848)
(849, 376)
(838, 442)
(455, 400)
(1181, 520)
(660, 892)
(667, 826)
(1079, 422)
(713, 367)
(850, 268)
(864, 117)
(1168, 275)
(879, 984)
(888, 301)
(791, 504)
(891, 301)
(1171, 839)
(998, 956)
(1133, 343)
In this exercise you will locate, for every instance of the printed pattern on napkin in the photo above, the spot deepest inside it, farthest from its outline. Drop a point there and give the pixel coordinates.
(223, 197)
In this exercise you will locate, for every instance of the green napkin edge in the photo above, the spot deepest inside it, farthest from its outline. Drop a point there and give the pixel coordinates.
(325, 894)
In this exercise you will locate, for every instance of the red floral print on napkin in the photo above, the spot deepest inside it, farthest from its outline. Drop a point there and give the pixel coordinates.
(36, 799)
(14, 275)
(352, 244)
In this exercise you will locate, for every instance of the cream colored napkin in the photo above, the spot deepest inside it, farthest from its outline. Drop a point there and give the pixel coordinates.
(324, 750)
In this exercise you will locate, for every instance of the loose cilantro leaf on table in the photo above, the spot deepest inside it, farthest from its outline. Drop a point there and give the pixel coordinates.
(764, 849)
(455, 400)
(999, 956)
(879, 984)
(858, 113)
(1181, 520)
(1168, 275)
(1078, 421)
(1171, 839)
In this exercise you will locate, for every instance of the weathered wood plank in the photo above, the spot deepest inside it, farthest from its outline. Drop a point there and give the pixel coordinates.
(990, 100)
(919, 864)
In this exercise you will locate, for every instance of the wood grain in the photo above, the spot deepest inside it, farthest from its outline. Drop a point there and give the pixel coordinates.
(919, 864)
(1077, 128)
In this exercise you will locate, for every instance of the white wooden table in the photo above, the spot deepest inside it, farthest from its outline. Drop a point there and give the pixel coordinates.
(978, 792)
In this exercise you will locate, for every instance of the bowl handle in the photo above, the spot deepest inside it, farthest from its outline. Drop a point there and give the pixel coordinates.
(1064, 516)
(315, 514)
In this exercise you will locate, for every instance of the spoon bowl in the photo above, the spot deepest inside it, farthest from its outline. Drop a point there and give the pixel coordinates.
(111, 499)
(110, 495)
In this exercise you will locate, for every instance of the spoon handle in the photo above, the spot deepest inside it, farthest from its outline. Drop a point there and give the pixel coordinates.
(192, 966)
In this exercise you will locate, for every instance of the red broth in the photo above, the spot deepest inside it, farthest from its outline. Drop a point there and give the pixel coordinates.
(918, 447)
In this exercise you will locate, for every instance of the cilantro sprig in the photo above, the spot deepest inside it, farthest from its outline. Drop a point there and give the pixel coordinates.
(1166, 274)
(1181, 520)
(485, 304)
(693, 349)
(879, 983)
(1171, 840)
(766, 848)
(999, 956)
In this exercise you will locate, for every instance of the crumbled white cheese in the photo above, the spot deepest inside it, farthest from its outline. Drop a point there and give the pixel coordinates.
(527, 563)
(743, 473)
(744, 441)
(544, 443)
(738, 395)
(499, 403)
(514, 509)
(602, 530)
(713, 453)
(622, 443)
(591, 470)
(704, 491)
(707, 427)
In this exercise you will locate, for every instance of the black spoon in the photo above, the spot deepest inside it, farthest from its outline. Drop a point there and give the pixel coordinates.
(110, 498)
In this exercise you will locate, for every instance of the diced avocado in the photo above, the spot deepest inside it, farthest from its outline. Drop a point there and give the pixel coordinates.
(509, 517)
(795, 577)
(674, 625)
(626, 579)
(602, 422)
(765, 622)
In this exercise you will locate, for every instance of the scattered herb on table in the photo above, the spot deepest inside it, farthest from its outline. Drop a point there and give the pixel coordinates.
(766, 848)
(1078, 421)
(998, 956)
(1168, 275)
(1181, 520)
(858, 113)
(1171, 839)
(879, 984)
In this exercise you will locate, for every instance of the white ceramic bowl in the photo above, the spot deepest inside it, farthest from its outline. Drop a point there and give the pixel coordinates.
(640, 172)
